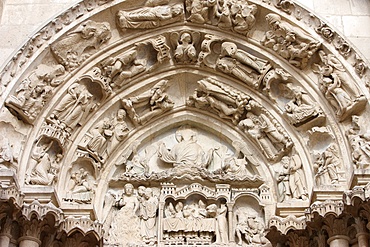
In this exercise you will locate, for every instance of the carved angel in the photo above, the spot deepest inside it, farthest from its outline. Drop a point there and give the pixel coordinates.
(184, 44)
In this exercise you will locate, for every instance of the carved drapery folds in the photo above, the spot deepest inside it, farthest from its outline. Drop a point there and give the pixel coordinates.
(185, 123)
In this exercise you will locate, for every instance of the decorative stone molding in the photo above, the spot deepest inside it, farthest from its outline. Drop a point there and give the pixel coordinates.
(323, 209)
(40, 211)
(286, 224)
(84, 224)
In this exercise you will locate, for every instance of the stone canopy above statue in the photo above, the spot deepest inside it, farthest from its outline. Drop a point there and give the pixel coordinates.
(163, 123)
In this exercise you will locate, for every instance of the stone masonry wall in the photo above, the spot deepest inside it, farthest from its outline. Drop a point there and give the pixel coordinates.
(19, 19)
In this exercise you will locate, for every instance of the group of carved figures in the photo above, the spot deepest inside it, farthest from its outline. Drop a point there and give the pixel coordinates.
(106, 135)
(290, 42)
(133, 218)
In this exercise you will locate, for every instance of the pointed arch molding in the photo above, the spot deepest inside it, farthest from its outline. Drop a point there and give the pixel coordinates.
(116, 92)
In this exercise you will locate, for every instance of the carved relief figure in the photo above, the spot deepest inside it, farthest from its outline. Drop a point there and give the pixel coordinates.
(249, 228)
(335, 84)
(35, 91)
(150, 17)
(149, 206)
(125, 228)
(75, 48)
(240, 64)
(119, 131)
(123, 67)
(360, 144)
(266, 134)
(289, 42)
(70, 110)
(80, 187)
(300, 108)
(228, 103)
(185, 51)
(100, 134)
(222, 225)
(7, 159)
(236, 167)
(157, 100)
(291, 180)
(187, 155)
(46, 170)
(199, 10)
(327, 166)
(243, 16)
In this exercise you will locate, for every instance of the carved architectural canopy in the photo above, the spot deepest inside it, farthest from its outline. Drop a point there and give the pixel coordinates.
(192, 123)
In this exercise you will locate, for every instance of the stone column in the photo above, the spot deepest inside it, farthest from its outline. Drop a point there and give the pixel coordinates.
(5, 239)
(6, 229)
(230, 218)
(159, 222)
(362, 233)
(337, 230)
(31, 231)
(339, 241)
(29, 241)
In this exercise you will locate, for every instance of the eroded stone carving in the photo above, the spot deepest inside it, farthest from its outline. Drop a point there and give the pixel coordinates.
(360, 144)
(44, 167)
(75, 48)
(238, 16)
(290, 42)
(72, 108)
(268, 137)
(7, 159)
(150, 17)
(123, 67)
(35, 91)
(249, 228)
(327, 166)
(292, 99)
(156, 99)
(291, 180)
(227, 102)
(338, 89)
(300, 108)
(189, 159)
(80, 189)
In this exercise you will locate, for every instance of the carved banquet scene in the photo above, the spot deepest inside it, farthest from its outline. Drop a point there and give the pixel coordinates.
(185, 123)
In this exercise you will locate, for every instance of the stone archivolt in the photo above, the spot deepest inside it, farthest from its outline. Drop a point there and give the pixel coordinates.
(197, 123)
